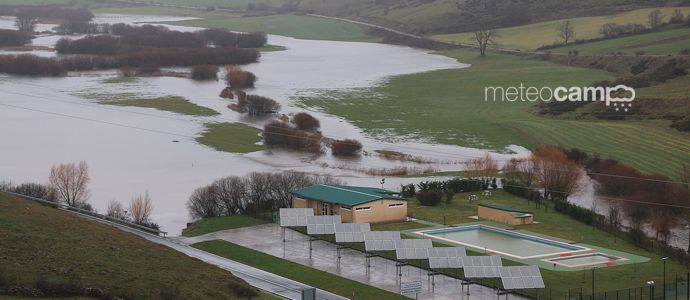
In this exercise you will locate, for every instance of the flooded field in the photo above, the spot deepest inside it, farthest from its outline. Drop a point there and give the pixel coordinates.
(130, 150)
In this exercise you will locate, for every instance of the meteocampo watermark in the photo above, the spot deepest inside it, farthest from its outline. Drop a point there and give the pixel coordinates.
(621, 96)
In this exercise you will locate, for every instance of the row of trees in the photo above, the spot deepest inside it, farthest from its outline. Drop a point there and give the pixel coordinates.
(161, 35)
(14, 37)
(27, 64)
(256, 192)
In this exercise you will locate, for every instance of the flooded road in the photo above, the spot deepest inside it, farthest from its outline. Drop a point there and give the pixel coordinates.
(47, 121)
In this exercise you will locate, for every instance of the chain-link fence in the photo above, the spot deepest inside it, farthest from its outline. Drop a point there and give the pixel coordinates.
(676, 288)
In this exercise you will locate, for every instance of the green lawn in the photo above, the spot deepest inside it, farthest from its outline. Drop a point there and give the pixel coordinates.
(40, 241)
(174, 104)
(662, 42)
(319, 279)
(560, 226)
(210, 225)
(231, 137)
(297, 26)
(455, 112)
(120, 80)
(534, 35)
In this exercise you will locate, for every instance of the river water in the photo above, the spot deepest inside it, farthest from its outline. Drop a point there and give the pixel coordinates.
(46, 121)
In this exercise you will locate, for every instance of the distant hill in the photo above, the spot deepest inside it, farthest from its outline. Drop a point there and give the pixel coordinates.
(44, 246)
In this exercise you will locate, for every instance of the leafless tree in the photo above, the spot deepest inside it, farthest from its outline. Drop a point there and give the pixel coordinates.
(231, 192)
(71, 183)
(615, 219)
(522, 171)
(25, 22)
(655, 18)
(558, 176)
(484, 168)
(484, 38)
(115, 210)
(141, 208)
(566, 31)
(203, 203)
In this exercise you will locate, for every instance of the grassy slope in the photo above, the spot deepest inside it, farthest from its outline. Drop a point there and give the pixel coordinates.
(174, 104)
(544, 33)
(231, 137)
(209, 225)
(298, 26)
(454, 112)
(40, 241)
(320, 279)
(561, 226)
(663, 42)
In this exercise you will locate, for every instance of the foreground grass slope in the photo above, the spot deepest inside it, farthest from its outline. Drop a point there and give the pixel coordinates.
(38, 241)
(455, 112)
(320, 279)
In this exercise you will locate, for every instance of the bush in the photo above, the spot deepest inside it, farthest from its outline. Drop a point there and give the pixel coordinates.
(430, 197)
(14, 37)
(98, 44)
(239, 79)
(305, 121)
(408, 190)
(258, 105)
(27, 64)
(283, 135)
(347, 147)
(36, 190)
(204, 72)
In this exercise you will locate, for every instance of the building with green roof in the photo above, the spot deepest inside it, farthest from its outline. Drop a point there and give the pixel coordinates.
(355, 204)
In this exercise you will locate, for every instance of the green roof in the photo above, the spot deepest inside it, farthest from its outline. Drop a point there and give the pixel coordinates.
(345, 195)
(506, 208)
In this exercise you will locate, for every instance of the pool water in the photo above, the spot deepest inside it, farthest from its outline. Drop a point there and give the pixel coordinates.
(502, 241)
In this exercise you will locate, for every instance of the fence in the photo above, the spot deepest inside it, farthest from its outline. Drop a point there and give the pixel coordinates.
(677, 288)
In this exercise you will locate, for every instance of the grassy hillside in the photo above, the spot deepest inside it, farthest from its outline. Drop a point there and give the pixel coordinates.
(43, 242)
(663, 42)
(454, 112)
(535, 35)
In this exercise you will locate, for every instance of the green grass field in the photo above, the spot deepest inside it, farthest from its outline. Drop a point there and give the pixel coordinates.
(174, 104)
(209, 225)
(316, 278)
(39, 241)
(454, 112)
(557, 225)
(532, 36)
(231, 137)
(663, 42)
(297, 26)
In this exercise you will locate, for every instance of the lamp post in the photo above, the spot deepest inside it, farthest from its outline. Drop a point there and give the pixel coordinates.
(651, 289)
(664, 259)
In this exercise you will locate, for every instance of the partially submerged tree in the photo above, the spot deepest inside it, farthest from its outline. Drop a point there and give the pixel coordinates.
(305, 121)
(566, 31)
(71, 183)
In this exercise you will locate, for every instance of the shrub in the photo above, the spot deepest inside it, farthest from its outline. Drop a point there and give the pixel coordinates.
(283, 135)
(408, 190)
(36, 190)
(258, 105)
(14, 37)
(204, 72)
(430, 197)
(305, 121)
(347, 147)
(239, 79)
(27, 64)
(98, 44)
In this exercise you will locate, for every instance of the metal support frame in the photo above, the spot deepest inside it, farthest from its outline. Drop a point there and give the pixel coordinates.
(311, 239)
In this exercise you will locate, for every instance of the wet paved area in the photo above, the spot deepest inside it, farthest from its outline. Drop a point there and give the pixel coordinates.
(382, 273)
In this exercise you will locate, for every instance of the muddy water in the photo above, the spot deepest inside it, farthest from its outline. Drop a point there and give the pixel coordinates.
(45, 121)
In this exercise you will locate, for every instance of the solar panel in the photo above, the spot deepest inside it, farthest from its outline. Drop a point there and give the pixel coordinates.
(482, 261)
(320, 229)
(381, 235)
(411, 253)
(446, 252)
(413, 243)
(521, 277)
(312, 220)
(482, 272)
(349, 237)
(379, 245)
(445, 262)
(294, 217)
(352, 227)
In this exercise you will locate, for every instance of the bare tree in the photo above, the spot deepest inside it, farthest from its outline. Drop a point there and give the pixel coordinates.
(203, 203)
(25, 22)
(522, 171)
(484, 38)
(655, 18)
(566, 31)
(231, 192)
(615, 219)
(141, 208)
(115, 210)
(558, 176)
(677, 16)
(71, 183)
(484, 168)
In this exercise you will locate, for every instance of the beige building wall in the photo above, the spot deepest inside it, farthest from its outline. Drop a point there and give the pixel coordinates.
(502, 216)
(379, 211)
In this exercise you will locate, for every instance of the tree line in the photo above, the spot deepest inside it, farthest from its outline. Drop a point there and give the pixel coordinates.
(253, 193)
(14, 37)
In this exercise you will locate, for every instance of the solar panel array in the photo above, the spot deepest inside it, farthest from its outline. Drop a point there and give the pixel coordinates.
(447, 252)
(482, 266)
(352, 227)
(381, 235)
(413, 243)
(294, 217)
(482, 272)
(521, 277)
(379, 245)
(445, 262)
(411, 253)
(313, 220)
(321, 229)
(349, 237)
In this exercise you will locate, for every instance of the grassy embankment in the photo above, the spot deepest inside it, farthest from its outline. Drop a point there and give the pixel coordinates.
(455, 112)
(317, 278)
(175, 104)
(210, 225)
(297, 26)
(557, 225)
(244, 138)
(38, 241)
(532, 36)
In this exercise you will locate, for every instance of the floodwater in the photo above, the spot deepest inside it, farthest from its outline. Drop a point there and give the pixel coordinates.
(46, 121)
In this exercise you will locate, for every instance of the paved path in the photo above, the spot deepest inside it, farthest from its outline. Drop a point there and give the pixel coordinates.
(352, 265)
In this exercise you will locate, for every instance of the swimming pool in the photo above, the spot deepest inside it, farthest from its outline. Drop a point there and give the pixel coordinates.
(583, 260)
(502, 241)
